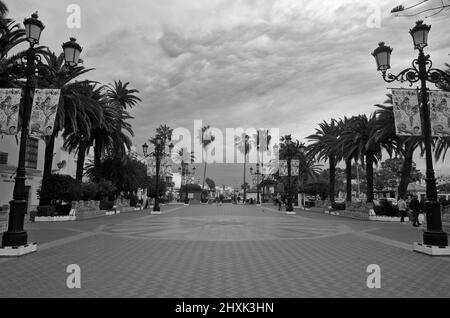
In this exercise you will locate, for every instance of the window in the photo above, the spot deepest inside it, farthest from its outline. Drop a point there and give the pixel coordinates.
(31, 153)
(3, 158)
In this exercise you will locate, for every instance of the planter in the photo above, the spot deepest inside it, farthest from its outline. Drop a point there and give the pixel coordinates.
(62, 218)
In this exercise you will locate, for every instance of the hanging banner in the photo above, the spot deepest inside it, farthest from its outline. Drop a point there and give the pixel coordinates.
(440, 113)
(9, 110)
(406, 112)
(283, 168)
(43, 111)
(295, 167)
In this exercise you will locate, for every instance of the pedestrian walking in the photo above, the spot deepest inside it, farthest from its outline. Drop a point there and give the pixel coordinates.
(414, 205)
(402, 209)
(279, 202)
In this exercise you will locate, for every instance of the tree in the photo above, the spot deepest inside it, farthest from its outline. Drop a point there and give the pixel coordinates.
(126, 174)
(358, 139)
(205, 143)
(78, 139)
(403, 146)
(323, 147)
(151, 186)
(343, 154)
(243, 144)
(211, 184)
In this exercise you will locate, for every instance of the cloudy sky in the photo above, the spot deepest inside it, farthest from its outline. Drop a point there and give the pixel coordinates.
(241, 63)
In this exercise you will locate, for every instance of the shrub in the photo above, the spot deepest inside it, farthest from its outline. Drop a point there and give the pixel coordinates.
(338, 206)
(63, 209)
(58, 187)
(46, 210)
(106, 205)
(385, 208)
(105, 188)
(89, 191)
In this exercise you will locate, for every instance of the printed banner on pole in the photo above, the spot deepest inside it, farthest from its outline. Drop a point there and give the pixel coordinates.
(406, 112)
(440, 113)
(43, 111)
(295, 167)
(269, 168)
(9, 110)
(283, 168)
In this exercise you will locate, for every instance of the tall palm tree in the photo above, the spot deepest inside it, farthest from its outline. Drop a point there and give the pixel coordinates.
(308, 168)
(244, 144)
(323, 147)
(74, 104)
(78, 140)
(404, 146)
(205, 143)
(112, 138)
(120, 93)
(343, 154)
(165, 132)
(358, 139)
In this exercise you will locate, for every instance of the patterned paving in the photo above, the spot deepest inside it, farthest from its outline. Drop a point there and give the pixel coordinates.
(229, 251)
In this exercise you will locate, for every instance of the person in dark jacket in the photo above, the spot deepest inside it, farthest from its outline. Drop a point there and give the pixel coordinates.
(415, 207)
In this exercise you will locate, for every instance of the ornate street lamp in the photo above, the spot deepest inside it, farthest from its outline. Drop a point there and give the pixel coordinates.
(158, 153)
(33, 29)
(288, 142)
(257, 174)
(422, 71)
(185, 173)
(72, 51)
(30, 67)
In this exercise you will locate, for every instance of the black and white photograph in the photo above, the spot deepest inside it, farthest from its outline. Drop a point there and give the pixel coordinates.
(224, 155)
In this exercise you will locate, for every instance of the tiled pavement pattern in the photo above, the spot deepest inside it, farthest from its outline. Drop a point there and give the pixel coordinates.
(227, 251)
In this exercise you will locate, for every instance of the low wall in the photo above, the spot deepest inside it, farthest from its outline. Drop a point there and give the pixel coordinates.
(4, 216)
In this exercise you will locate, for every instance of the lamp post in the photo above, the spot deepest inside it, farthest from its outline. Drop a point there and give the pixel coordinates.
(302, 150)
(421, 71)
(257, 173)
(158, 153)
(30, 67)
(288, 142)
(185, 173)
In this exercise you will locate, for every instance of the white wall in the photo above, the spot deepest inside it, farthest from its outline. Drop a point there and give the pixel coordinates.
(34, 176)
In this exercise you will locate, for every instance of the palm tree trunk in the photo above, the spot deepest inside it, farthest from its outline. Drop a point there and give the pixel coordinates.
(369, 177)
(348, 172)
(332, 161)
(80, 160)
(204, 172)
(406, 172)
(48, 162)
(245, 186)
(97, 159)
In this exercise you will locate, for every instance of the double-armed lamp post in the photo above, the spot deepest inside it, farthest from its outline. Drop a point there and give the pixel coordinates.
(31, 68)
(159, 152)
(257, 173)
(421, 71)
(185, 173)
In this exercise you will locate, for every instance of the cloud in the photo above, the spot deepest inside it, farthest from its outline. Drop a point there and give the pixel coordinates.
(238, 63)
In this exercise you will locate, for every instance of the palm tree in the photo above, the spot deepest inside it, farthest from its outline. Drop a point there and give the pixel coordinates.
(165, 132)
(205, 143)
(404, 146)
(112, 137)
(74, 104)
(323, 147)
(243, 144)
(120, 93)
(308, 169)
(359, 139)
(78, 140)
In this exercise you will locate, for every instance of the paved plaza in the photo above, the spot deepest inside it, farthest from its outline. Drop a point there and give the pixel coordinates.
(224, 251)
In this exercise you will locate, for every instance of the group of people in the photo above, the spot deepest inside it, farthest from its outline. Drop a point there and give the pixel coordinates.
(415, 207)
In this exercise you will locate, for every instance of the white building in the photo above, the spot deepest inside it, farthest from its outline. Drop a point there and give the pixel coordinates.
(63, 163)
